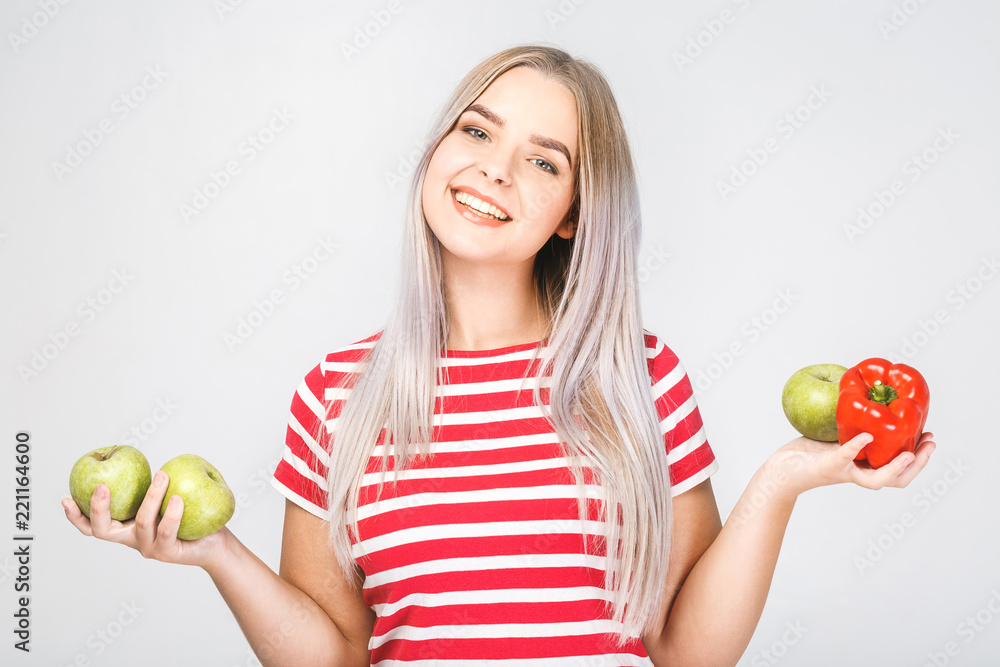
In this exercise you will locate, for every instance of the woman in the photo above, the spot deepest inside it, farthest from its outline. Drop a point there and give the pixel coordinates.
(437, 511)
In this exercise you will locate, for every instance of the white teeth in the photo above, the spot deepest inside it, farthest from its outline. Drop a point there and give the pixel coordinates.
(479, 205)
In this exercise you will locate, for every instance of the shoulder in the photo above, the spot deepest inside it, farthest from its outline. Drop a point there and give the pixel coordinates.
(349, 358)
(339, 369)
(661, 360)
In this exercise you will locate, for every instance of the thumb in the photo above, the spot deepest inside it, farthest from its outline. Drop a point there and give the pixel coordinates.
(856, 444)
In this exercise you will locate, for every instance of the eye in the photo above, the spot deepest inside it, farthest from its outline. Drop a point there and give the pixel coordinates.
(547, 166)
(473, 130)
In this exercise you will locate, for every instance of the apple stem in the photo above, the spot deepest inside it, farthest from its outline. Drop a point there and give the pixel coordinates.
(882, 393)
(108, 454)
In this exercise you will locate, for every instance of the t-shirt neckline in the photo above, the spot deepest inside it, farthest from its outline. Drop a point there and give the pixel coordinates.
(495, 352)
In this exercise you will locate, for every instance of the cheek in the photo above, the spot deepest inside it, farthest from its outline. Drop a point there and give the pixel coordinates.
(548, 201)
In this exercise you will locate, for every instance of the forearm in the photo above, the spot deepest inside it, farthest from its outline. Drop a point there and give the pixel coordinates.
(283, 625)
(717, 608)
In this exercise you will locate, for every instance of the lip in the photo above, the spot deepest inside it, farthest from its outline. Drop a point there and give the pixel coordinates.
(469, 215)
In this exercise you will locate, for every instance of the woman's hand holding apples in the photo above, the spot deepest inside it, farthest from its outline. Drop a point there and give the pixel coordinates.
(151, 535)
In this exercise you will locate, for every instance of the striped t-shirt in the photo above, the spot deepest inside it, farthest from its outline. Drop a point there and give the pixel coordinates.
(475, 555)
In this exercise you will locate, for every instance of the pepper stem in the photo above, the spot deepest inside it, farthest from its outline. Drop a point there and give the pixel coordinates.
(882, 393)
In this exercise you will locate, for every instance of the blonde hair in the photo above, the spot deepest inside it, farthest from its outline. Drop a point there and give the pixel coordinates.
(600, 403)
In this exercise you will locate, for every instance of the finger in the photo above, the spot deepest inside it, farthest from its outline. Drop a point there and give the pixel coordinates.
(171, 520)
(896, 472)
(921, 457)
(926, 447)
(147, 516)
(76, 517)
(100, 511)
(850, 449)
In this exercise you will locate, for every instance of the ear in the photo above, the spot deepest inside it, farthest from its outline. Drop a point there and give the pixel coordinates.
(567, 228)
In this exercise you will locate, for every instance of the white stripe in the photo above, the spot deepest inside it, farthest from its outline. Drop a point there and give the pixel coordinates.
(667, 382)
(521, 355)
(445, 531)
(331, 394)
(686, 447)
(678, 415)
(493, 596)
(313, 403)
(310, 442)
(492, 386)
(483, 444)
(547, 492)
(342, 366)
(312, 508)
(695, 479)
(492, 631)
(303, 469)
(605, 660)
(451, 566)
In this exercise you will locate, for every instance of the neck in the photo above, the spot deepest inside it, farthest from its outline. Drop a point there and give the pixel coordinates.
(491, 305)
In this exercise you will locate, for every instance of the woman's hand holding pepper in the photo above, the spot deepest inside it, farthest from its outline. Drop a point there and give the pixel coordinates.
(805, 464)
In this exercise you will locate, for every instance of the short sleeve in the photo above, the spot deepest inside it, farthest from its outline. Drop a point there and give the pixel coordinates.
(301, 473)
(689, 456)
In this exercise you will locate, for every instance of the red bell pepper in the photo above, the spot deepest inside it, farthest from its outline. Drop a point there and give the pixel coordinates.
(889, 401)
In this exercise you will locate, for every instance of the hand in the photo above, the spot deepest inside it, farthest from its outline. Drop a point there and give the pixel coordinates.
(804, 464)
(152, 536)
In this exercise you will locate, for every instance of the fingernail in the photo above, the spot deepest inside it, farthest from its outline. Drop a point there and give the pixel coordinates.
(159, 478)
(102, 492)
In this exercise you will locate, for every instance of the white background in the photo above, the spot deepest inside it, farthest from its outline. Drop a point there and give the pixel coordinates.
(894, 76)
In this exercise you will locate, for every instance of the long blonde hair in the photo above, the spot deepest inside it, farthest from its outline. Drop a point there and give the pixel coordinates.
(600, 402)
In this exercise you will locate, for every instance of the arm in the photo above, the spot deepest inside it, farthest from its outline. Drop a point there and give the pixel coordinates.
(713, 615)
(308, 615)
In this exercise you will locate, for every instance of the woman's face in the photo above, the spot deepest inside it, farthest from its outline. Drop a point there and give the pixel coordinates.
(515, 149)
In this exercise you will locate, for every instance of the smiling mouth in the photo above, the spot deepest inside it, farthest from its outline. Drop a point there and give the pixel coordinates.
(479, 207)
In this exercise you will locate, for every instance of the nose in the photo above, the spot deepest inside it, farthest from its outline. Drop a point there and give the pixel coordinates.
(495, 165)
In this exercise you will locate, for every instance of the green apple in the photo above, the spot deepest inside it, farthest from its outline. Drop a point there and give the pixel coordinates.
(124, 469)
(208, 502)
(809, 400)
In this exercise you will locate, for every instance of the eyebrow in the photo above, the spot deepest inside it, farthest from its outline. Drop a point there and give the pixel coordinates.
(536, 139)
